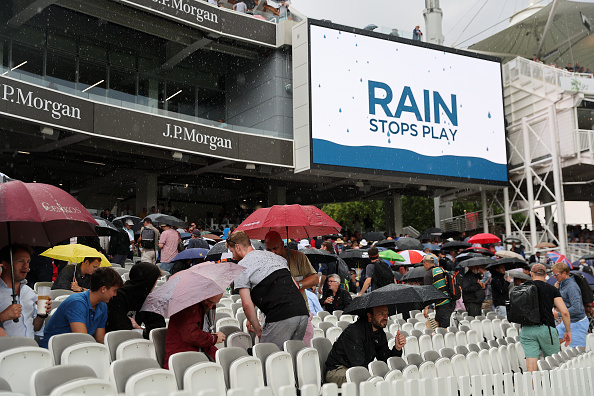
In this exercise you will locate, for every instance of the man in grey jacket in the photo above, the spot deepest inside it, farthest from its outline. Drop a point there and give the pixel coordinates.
(572, 297)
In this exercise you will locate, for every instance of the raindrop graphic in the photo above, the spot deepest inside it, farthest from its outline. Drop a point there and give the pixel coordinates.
(340, 110)
(487, 148)
(319, 85)
(388, 134)
(339, 32)
(324, 36)
(389, 141)
(361, 79)
(489, 115)
(347, 130)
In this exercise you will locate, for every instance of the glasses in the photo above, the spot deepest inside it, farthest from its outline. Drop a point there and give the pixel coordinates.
(332, 281)
(556, 274)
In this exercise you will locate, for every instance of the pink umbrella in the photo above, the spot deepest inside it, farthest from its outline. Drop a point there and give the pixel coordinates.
(484, 238)
(411, 257)
(191, 286)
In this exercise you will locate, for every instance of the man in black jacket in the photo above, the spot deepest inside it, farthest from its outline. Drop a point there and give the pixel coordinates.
(473, 291)
(361, 343)
(500, 289)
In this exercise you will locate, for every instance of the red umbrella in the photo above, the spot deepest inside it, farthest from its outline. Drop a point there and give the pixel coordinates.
(290, 221)
(484, 238)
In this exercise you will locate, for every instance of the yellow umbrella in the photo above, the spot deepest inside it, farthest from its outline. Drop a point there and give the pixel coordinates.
(75, 253)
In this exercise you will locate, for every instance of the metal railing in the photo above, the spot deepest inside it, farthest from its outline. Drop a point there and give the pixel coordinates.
(577, 250)
(584, 141)
(517, 67)
(466, 222)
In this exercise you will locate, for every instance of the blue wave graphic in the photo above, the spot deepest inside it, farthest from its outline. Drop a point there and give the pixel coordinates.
(399, 160)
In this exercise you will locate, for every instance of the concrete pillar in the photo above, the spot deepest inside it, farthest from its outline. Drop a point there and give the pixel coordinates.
(146, 192)
(393, 213)
(277, 196)
(592, 212)
(485, 208)
(442, 210)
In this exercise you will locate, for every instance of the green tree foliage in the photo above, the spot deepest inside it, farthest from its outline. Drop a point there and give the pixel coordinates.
(418, 212)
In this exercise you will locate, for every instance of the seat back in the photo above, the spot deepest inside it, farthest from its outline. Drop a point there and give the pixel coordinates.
(323, 346)
(239, 339)
(59, 292)
(323, 314)
(447, 352)
(246, 373)
(431, 356)
(543, 365)
(444, 367)
(485, 362)
(396, 363)
(477, 326)
(473, 347)
(7, 343)
(472, 337)
(483, 345)
(18, 364)
(513, 358)
(408, 327)
(226, 356)
(414, 358)
(461, 338)
(410, 372)
(308, 371)
(450, 340)
(438, 342)
(58, 343)
(86, 387)
(416, 333)
(425, 343)
(393, 375)
(262, 351)
(93, 355)
(412, 345)
(279, 371)
(347, 318)
(378, 368)
(156, 381)
(495, 360)
(505, 359)
(140, 348)
(333, 333)
(487, 329)
(158, 336)
(331, 319)
(325, 326)
(473, 363)
(492, 344)
(226, 322)
(427, 370)
(552, 363)
(181, 361)
(343, 324)
(45, 380)
(115, 338)
(121, 370)
(459, 365)
(357, 375)
(461, 349)
(204, 375)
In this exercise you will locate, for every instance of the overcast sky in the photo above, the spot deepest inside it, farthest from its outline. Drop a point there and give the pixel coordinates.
(464, 21)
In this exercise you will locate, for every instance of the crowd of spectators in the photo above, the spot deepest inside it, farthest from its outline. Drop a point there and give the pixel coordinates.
(577, 68)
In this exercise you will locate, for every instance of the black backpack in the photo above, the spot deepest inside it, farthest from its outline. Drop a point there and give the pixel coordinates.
(382, 274)
(523, 307)
(454, 282)
(147, 238)
(587, 296)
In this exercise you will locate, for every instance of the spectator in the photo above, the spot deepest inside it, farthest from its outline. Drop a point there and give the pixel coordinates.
(77, 277)
(543, 338)
(240, 7)
(327, 268)
(487, 278)
(335, 298)
(377, 274)
(128, 228)
(500, 289)
(283, 9)
(119, 245)
(535, 258)
(394, 33)
(26, 311)
(108, 215)
(168, 242)
(417, 34)
(149, 236)
(313, 303)
(267, 283)
(572, 297)
(85, 312)
(473, 291)
(498, 247)
(361, 343)
(197, 242)
(353, 283)
(436, 277)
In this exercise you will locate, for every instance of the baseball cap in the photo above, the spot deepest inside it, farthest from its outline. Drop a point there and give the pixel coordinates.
(429, 258)
(129, 222)
(196, 232)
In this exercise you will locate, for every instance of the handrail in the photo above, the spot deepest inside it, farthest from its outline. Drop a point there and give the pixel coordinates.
(539, 71)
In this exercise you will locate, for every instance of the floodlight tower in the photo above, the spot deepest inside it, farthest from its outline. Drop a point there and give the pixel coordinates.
(433, 16)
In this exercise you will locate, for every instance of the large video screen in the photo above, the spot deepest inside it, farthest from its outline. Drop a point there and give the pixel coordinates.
(384, 105)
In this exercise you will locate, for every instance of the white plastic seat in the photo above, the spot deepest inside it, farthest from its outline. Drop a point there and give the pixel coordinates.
(204, 375)
(357, 375)
(308, 368)
(444, 368)
(239, 339)
(427, 370)
(495, 360)
(86, 387)
(487, 329)
(180, 362)
(505, 359)
(450, 340)
(408, 327)
(425, 343)
(246, 373)
(410, 372)
(140, 348)
(226, 322)
(459, 365)
(447, 353)
(158, 337)
(11, 342)
(438, 342)
(414, 358)
(485, 362)
(95, 356)
(331, 319)
(461, 338)
(378, 368)
(512, 332)
(322, 314)
(347, 318)
(472, 337)
(323, 346)
(477, 326)
(513, 358)
(420, 326)
(316, 320)
(318, 333)
(393, 375)
(412, 345)
(225, 357)
(226, 301)
(18, 364)
(279, 371)
(44, 381)
(333, 333)
(114, 338)
(431, 356)
(121, 370)
(155, 381)
(58, 343)
(473, 363)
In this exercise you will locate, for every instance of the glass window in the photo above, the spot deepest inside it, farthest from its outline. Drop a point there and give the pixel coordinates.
(183, 102)
(90, 74)
(93, 51)
(211, 104)
(62, 43)
(60, 70)
(123, 59)
(585, 118)
(122, 84)
(4, 52)
(30, 35)
(33, 57)
(148, 91)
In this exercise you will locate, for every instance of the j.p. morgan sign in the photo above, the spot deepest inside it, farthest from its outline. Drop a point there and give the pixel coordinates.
(51, 108)
(206, 16)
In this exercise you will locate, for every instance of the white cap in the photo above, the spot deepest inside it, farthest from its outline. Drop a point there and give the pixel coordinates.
(304, 243)
(363, 242)
(129, 222)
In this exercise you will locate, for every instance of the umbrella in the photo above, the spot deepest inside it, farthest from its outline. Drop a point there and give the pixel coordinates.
(589, 256)
(374, 236)
(215, 253)
(290, 221)
(559, 258)
(519, 275)
(431, 246)
(319, 255)
(215, 238)
(466, 256)
(411, 256)
(191, 254)
(483, 251)
(185, 235)
(450, 234)
(387, 243)
(433, 231)
(508, 254)
(512, 239)
(75, 253)
(406, 243)
(135, 219)
(586, 275)
(391, 255)
(475, 261)
(191, 286)
(484, 238)
(545, 245)
(105, 227)
(160, 219)
(510, 263)
(414, 274)
(395, 294)
(455, 245)
(354, 253)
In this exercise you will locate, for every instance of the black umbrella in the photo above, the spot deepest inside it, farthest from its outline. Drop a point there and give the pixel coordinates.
(510, 263)
(483, 251)
(398, 276)
(135, 219)
(466, 256)
(354, 253)
(450, 234)
(319, 255)
(431, 233)
(395, 294)
(512, 239)
(215, 252)
(455, 245)
(589, 256)
(474, 261)
(414, 274)
(105, 227)
(160, 219)
(387, 243)
(519, 275)
(374, 236)
(406, 243)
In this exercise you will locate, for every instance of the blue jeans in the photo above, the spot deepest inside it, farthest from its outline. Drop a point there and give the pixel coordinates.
(500, 309)
(166, 266)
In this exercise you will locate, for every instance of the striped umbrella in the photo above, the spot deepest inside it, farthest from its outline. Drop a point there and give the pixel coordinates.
(411, 256)
(559, 258)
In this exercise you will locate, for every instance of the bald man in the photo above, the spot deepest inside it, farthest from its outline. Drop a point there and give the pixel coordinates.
(301, 270)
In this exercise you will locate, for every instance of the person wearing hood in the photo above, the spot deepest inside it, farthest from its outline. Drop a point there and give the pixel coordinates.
(473, 291)
(130, 298)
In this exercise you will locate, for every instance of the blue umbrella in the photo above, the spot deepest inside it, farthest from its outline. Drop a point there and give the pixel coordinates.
(586, 275)
(191, 254)
(185, 235)
(431, 246)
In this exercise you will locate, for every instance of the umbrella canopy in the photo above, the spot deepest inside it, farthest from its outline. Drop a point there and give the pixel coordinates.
(391, 255)
(484, 238)
(450, 234)
(483, 251)
(75, 253)
(395, 294)
(387, 243)
(318, 255)
(105, 227)
(191, 254)
(512, 239)
(411, 256)
(214, 237)
(557, 257)
(508, 254)
(290, 221)
(509, 263)
(354, 253)
(431, 246)
(475, 261)
(191, 286)
(185, 235)
(135, 219)
(545, 245)
(159, 219)
(455, 245)
(215, 253)
(519, 275)
(406, 243)
(433, 231)
(466, 256)
(374, 236)
(589, 256)
(41, 215)
(552, 280)
(414, 274)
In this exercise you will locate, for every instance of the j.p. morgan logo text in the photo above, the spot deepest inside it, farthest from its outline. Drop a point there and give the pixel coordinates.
(186, 7)
(27, 98)
(183, 133)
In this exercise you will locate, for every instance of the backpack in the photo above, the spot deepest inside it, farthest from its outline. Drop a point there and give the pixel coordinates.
(120, 244)
(587, 296)
(147, 238)
(454, 283)
(523, 307)
(382, 274)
